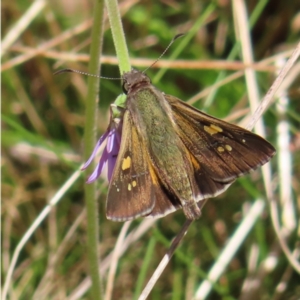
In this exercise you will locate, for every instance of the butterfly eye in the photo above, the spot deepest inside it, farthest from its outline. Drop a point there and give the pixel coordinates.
(125, 87)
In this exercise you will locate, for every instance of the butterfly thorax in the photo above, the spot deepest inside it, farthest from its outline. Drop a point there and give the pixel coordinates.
(134, 80)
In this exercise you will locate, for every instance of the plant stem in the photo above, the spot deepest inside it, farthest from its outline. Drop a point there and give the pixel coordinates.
(118, 35)
(89, 142)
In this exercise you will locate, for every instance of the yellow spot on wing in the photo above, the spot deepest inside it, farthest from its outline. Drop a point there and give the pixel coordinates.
(213, 129)
(216, 128)
(195, 163)
(129, 187)
(126, 163)
(221, 149)
(153, 175)
(229, 148)
(133, 183)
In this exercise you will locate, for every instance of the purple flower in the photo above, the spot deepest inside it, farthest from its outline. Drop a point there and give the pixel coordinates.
(110, 152)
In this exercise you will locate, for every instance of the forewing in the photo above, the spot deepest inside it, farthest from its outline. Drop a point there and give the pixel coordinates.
(131, 192)
(223, 151)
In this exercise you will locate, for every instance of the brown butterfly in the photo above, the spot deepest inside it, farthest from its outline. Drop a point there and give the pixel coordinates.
(173, 156)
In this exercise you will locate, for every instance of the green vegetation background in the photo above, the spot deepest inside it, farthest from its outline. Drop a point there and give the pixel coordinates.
(42, 129)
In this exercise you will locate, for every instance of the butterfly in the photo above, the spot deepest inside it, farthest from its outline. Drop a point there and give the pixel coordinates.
(173, 156)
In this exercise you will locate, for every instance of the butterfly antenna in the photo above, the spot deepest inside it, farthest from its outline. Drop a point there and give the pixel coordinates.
(114, 78)
(173, 40)
(83, 73)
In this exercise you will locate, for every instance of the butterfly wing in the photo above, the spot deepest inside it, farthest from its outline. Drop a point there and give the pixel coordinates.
(165, 201)
(131, 192)
(220, 151)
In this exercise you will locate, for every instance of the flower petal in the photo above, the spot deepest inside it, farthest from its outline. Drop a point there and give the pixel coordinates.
(99, 168)
(99, 143)
(113, 154)
(119, 135)
(111, 140)
(111, 162)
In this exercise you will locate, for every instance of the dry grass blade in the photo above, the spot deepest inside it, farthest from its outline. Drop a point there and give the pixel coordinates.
(22, 24)
(57, 197)
(131, 238)
(165, 260)
(114, 261)
(229, 251)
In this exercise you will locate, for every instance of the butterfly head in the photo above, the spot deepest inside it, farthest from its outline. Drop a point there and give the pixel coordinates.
(133, 80)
